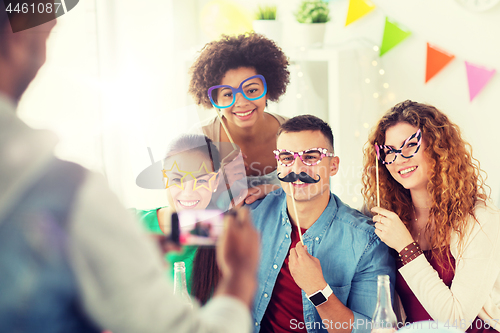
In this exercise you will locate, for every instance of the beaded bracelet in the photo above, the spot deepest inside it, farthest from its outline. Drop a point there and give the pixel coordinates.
(409, 253)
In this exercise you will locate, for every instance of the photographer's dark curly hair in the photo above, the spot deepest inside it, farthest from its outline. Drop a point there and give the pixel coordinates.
(456, 181)
(232, 52)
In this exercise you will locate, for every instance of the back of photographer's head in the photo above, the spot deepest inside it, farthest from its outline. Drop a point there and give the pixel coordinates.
(24, 30)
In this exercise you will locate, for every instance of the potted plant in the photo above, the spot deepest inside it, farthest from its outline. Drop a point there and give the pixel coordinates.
(266, 13)
(265, 23)
(312, 16)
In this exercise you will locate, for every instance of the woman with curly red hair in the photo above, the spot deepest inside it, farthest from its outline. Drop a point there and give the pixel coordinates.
(434, 211)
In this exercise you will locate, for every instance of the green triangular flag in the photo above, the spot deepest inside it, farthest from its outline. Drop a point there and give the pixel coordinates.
(393, 35)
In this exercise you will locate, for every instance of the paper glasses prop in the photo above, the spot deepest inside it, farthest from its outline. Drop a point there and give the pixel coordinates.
(387, 154)
(224, 96)
(309, 157)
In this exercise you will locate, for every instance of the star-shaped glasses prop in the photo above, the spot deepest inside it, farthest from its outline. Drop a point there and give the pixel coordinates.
(204, 178)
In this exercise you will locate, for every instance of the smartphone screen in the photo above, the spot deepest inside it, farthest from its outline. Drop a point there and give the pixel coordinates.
(197, 227)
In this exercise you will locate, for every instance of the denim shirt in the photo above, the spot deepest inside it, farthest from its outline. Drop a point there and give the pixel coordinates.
(351, 256)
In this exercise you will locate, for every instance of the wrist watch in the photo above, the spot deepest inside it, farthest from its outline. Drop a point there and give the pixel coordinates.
(320, 296)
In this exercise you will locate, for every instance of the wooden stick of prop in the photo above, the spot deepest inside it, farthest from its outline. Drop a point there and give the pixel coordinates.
(231, 198)
(225, 128)
(378, 188)
(295, 211)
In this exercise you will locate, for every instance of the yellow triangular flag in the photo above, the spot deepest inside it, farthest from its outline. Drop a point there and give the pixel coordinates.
(358, 9)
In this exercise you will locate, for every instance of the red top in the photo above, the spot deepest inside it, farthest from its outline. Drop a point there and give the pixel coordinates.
(415, 311)
(285, 312)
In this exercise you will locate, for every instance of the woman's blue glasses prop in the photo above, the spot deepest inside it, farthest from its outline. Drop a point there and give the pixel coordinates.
(223, 96)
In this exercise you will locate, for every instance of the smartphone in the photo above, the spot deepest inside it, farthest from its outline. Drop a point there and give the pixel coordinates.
(197, 227)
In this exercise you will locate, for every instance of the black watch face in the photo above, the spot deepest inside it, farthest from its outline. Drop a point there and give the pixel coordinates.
(317, 299)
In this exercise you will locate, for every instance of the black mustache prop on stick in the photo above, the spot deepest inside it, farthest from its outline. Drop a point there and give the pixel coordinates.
(303, 177)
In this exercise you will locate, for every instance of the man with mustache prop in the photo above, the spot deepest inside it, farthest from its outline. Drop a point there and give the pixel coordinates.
(323, 278)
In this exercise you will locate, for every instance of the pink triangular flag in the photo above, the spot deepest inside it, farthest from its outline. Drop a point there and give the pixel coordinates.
(478, 77)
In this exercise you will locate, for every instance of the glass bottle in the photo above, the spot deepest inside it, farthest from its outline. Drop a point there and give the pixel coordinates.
(180, 286)
(384, 319)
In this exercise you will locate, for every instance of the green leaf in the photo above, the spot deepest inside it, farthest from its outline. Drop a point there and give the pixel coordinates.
(313, 11)
(266, 13)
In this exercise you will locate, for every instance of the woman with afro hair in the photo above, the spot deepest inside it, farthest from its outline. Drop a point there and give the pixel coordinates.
(260, 68)
(434, 211)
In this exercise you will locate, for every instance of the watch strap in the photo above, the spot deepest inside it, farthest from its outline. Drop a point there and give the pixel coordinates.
(327, 292)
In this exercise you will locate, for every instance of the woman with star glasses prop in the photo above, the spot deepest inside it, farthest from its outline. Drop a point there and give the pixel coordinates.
(191, 175)
(435, 212)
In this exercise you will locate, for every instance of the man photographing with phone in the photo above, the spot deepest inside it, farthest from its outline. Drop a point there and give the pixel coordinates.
(71, 258)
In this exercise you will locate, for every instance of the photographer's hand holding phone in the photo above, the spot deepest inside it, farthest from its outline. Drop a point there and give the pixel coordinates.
(238, 252)
(165, 223)
(238, 245)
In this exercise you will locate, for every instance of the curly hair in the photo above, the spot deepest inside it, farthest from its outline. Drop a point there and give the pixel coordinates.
(455, 182)
(232, 52)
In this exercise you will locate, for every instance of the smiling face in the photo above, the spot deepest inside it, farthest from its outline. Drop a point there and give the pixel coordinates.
(244, 113)
(307, 192)
(191, 180)
(412, 173)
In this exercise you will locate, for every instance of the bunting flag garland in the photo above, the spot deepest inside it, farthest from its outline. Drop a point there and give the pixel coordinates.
(478, 77)
(436, 61)
(358, 9)
(393, 35)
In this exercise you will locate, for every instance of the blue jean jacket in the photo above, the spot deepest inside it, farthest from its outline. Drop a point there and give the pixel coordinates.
(351, 256)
